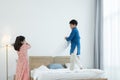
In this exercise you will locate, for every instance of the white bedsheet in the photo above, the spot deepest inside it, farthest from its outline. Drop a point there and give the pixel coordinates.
(66, 74)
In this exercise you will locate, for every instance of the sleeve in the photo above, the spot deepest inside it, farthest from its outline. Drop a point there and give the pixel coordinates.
(26, 46)
(72, 34)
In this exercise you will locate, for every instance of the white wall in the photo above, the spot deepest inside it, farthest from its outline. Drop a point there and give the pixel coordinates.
(45, 24)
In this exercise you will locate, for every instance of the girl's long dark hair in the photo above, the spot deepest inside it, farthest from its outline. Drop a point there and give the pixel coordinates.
(18, 42)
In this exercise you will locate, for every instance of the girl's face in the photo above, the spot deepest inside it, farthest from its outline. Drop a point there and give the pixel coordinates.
(24, 42)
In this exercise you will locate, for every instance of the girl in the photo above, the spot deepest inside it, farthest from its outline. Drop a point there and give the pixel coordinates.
(22, 69)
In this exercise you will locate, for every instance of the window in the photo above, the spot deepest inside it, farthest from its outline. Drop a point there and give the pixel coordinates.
(111, 42)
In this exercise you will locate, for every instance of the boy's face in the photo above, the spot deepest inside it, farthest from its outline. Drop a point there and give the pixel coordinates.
(72, 26)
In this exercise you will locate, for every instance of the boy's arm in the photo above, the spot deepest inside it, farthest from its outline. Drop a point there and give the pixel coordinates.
(71, 36)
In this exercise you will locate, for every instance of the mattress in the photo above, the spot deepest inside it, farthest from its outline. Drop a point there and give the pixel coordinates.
(43, 73)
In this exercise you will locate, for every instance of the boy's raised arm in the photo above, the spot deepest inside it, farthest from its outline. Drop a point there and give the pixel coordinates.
(71, 36)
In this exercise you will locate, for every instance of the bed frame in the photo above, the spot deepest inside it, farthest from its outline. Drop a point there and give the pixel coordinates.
(36, 61)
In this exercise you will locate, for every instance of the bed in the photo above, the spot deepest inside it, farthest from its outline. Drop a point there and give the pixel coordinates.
(37, 61)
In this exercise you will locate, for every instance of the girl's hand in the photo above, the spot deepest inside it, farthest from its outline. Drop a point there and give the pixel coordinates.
(27, 44)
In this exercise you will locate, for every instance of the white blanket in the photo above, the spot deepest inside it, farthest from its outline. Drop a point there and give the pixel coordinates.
(43, 73)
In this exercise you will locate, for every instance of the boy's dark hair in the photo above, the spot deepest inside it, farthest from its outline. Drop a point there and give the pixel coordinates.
(74, 22)
(18, 42)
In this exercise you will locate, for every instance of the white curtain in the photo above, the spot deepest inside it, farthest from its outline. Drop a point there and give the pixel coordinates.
(111, 38)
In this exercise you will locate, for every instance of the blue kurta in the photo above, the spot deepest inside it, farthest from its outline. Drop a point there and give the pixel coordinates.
(75, 40)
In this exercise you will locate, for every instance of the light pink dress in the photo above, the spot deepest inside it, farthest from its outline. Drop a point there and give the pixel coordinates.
(22, 70)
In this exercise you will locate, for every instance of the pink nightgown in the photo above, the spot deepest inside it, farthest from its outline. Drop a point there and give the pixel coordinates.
(22, 69)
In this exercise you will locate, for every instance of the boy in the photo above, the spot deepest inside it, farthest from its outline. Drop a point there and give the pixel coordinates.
(74, 38)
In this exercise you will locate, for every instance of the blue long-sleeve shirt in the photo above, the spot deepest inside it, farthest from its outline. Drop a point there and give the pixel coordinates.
(74, 37)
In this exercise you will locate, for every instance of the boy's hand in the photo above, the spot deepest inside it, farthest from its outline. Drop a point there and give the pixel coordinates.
(65, 37)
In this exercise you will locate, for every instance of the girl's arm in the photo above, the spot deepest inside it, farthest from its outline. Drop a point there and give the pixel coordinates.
(26, 45)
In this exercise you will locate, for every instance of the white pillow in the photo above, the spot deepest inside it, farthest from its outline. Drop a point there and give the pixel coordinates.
(42, 68)
(35, 72)
(68, 66)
